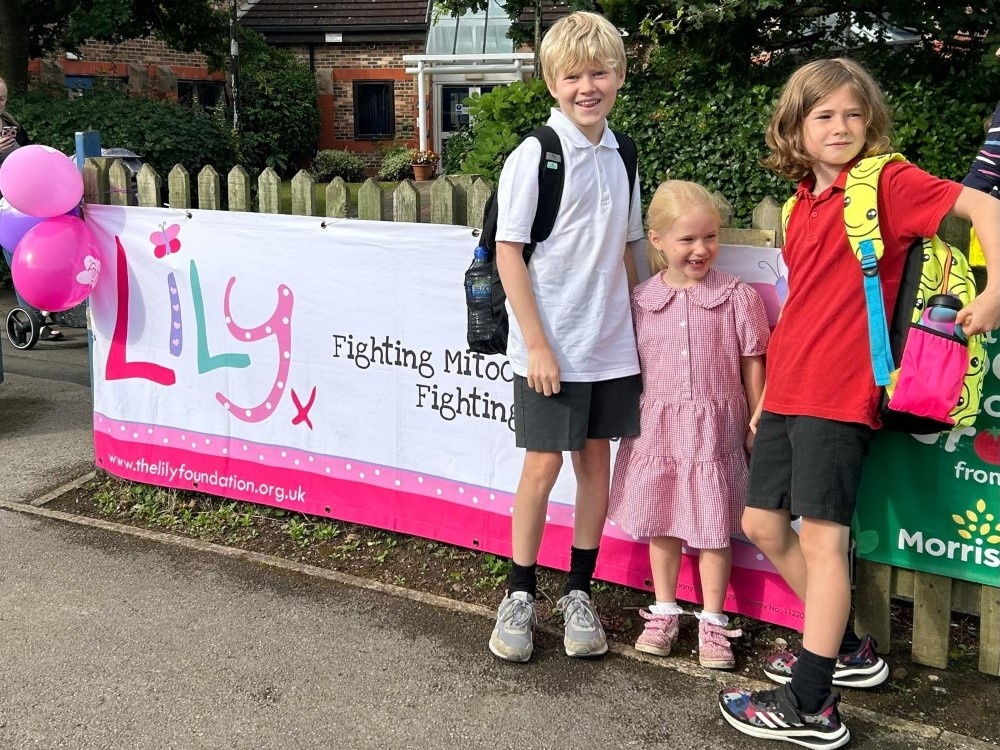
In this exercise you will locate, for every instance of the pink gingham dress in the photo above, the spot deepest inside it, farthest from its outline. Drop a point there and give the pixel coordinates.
(685, 474)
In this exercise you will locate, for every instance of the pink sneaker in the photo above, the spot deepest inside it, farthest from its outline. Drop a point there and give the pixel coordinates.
(660, 634)
(714, 649)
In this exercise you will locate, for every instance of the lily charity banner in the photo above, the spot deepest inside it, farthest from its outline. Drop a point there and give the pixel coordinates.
(320, 365)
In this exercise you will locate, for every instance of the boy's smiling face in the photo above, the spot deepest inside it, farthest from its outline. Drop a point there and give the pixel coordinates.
(586, 96)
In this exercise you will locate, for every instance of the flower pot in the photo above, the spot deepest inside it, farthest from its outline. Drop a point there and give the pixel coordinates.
(423, 172)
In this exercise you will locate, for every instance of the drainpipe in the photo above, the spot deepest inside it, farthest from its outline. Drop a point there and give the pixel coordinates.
(421, 106)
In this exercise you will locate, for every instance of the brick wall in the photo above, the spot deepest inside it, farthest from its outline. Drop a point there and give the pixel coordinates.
(153, 67)
(338, 66)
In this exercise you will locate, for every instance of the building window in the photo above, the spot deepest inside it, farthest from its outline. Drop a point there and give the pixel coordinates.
(208, 94)
(374, 109)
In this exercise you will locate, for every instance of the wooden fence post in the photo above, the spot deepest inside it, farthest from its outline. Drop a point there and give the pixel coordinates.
(931, 619)
(370, 201)
(179, 187)
(872, 613)
(480, 193)
(303, 195)
(147, 185)
(120, 181)
(989, 630)
(443, 196)
(338, 199)
(767, 215)
(269, 192)
(239, 189)
(406, 202)
(96, 184)
(726, 210)
(463, 184)
(209, 189)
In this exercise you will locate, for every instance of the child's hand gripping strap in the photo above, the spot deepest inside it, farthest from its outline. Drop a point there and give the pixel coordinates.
(861, 222)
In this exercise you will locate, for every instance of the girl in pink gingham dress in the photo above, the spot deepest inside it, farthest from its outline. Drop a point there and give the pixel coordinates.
(702, 334)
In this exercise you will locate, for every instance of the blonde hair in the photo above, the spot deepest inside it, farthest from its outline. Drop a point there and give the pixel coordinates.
(578, 40)
(807, 87)
(673, 199)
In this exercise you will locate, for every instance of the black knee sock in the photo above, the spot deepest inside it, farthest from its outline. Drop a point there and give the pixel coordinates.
(581, 569)
(812, 679)
(522, 578)
(850, 642)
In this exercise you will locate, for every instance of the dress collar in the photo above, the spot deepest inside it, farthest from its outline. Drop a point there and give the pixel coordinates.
(712, 291)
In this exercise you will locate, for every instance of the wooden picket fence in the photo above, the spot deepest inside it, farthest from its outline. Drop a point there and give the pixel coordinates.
(460, 200)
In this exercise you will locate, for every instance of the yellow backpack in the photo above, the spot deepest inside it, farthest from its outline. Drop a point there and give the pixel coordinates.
(932, 375)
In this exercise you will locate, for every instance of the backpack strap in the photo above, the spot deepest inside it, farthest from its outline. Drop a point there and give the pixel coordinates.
(551, 175)
(629, 155)
(865, 237)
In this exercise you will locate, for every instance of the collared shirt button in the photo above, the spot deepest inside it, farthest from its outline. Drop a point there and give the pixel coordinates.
(814, 214)
(684, 352)
(680, 294)
(684, 324)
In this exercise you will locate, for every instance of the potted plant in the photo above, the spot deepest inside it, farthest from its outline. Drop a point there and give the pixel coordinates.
(424, 163)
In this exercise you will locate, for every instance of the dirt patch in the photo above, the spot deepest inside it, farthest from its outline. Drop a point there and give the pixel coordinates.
(960, 699)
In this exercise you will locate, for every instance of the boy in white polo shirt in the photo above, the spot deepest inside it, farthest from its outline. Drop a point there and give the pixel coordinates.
(571, 343)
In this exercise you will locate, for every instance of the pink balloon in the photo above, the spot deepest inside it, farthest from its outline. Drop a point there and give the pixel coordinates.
(40, 181)
(56, 264)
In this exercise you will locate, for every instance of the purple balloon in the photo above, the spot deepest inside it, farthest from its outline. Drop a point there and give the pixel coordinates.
(14, 224)
(56, 264)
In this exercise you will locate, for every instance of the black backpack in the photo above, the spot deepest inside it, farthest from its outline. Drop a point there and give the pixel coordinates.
(492, 338)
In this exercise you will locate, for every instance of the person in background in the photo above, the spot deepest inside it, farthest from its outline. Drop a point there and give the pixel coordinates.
(984, 176)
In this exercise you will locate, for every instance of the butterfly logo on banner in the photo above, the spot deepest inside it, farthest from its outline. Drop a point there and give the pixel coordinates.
(165, 240)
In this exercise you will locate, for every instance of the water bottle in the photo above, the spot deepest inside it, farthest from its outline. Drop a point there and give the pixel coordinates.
(940, 314)
(479, 296)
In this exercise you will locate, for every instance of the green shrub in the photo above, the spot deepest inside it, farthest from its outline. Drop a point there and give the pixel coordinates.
(702, 121)
(499, 119)
(277, 107)
(396, 165)
(455, 150)
(163, 133)
(329, 164)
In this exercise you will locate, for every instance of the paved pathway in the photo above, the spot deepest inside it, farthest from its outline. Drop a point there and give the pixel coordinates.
(115, 638)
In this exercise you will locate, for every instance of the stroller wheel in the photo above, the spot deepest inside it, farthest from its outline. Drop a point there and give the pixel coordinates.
(23, 328)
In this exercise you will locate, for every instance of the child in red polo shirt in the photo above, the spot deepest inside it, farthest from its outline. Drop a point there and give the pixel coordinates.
(820, 406)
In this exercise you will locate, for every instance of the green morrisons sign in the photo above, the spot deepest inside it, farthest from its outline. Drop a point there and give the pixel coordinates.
(932, 502)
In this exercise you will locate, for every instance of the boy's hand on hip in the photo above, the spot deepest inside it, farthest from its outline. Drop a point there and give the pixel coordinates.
(543, 372)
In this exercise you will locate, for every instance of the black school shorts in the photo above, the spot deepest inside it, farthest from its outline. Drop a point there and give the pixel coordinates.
(808, 466)
(580, 411)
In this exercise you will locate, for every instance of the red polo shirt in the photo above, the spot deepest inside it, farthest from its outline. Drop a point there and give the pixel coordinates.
(818, 361)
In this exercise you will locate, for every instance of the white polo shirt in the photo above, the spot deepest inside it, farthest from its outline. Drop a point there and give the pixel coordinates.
(578, 273)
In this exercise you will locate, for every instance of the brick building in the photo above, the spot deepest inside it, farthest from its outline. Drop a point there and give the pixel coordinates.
(355, 49)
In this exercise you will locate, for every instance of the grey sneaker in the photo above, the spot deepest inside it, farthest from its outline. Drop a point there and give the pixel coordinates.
(513, 635)
(584, 633)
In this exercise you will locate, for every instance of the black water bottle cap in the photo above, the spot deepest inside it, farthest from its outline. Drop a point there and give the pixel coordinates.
(949, 301)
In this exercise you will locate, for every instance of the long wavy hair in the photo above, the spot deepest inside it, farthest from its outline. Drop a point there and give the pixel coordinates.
(807, 87)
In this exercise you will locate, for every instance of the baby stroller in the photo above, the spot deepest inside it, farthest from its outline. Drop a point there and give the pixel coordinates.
(26, 325)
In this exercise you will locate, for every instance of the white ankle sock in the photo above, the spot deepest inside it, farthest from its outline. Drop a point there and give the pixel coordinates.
(666, 608)
(714, 618)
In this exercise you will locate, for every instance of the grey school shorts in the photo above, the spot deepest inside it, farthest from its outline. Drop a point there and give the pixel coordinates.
(580, 411)
(808, 466)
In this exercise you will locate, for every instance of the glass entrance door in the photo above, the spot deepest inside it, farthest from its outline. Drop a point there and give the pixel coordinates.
(454, 115)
